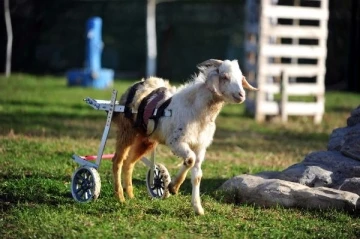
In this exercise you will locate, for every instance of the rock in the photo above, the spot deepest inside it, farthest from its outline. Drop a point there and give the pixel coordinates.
(350, 185)
(351, 144)
(268, 174)
(312, 176)
(336, 138)
(340, 165)
(322, 168)
(324, 179)
(272, 192)
(354, 118)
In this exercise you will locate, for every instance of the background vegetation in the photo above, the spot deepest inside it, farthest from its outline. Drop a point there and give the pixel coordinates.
(43, 122)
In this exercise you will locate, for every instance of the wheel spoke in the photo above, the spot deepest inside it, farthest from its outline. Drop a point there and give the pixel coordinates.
(79, 178)
(81, 193)
(78, 190)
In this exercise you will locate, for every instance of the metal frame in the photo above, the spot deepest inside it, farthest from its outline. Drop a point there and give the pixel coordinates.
(111, 107)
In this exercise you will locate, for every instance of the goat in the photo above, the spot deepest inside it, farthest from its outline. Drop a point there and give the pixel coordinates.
(188, 132)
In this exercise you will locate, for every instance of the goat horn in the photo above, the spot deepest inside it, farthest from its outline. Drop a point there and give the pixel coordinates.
(211, 62)
(246, 85)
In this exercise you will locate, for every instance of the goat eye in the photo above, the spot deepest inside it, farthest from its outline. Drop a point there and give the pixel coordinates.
(225, 77)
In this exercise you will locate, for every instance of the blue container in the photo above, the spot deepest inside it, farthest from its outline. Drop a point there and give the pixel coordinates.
(92, 75)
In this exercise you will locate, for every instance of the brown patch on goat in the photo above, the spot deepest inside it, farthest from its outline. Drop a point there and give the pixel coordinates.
(125, 138)
(140, 147)
(197, 180)
(189, 162)
(172, 189)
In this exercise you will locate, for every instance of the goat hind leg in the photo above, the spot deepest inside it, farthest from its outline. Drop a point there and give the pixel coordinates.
(118, 160)
(140, 147)
(124, 140)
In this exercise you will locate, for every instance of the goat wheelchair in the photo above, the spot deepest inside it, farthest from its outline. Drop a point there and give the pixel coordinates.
(85, 181)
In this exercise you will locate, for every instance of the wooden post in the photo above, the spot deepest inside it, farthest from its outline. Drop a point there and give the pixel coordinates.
(151, 38)
(284, 96)
(9, 38)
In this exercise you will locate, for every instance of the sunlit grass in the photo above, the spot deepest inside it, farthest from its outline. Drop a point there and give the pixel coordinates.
(43, 122)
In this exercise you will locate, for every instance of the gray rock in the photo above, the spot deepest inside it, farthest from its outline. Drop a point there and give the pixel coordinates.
(324, 179)
(350, 185)
(272, 192)
(334, 161)
(337, 137)
(351, 145)
(312, 176)
(268, 174)
(354, 118)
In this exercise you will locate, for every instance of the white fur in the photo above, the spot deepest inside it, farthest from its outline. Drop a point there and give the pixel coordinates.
(195, 106)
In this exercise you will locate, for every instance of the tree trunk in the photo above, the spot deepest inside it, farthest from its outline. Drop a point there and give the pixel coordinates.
(151, 38)
(9, 38)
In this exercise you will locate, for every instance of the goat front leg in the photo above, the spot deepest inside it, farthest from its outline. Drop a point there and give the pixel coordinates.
(196, 175)
(182, 150)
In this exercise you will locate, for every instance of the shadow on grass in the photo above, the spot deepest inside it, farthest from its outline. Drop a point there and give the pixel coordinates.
(270, 141)
(19, 103)
(340, 109)
(53, 124)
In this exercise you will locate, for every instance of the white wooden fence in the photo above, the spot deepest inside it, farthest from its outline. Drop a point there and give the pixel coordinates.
(286, 53)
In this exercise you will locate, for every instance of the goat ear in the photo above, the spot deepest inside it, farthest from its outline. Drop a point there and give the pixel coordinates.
(211, 62)
(246, 85)
(212, 84)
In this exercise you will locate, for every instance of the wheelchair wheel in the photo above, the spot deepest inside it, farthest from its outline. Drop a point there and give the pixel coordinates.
(85, 184)
(159, 187)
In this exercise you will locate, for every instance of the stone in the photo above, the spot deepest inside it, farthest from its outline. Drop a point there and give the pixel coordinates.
(337, 137)
(351, 145)
(354, 118)
(324, 179)
(312, 176)
(268, 174)
(350, 185)
(340, 165)
(273, 192)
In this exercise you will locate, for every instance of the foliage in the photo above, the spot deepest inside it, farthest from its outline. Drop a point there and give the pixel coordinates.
(43, 122)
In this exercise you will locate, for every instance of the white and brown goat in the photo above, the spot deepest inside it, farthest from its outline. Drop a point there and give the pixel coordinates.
(188, 132)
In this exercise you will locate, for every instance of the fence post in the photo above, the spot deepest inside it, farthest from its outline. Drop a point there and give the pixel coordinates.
(9, 38)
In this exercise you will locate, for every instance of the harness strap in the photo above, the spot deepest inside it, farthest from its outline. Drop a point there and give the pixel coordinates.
(130, 98)
(159, 113)
(147, 107)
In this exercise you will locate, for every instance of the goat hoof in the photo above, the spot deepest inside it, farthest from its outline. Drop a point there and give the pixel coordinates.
(121, 198)
(172, 189)
(199, 211)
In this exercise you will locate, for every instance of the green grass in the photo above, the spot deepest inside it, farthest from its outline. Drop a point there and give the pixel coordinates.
(43, 122)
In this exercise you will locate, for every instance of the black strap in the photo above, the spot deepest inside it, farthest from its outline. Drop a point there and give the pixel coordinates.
(160, 113)
(130, 98)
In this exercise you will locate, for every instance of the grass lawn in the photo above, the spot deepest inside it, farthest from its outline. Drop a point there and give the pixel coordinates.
(43, 122)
